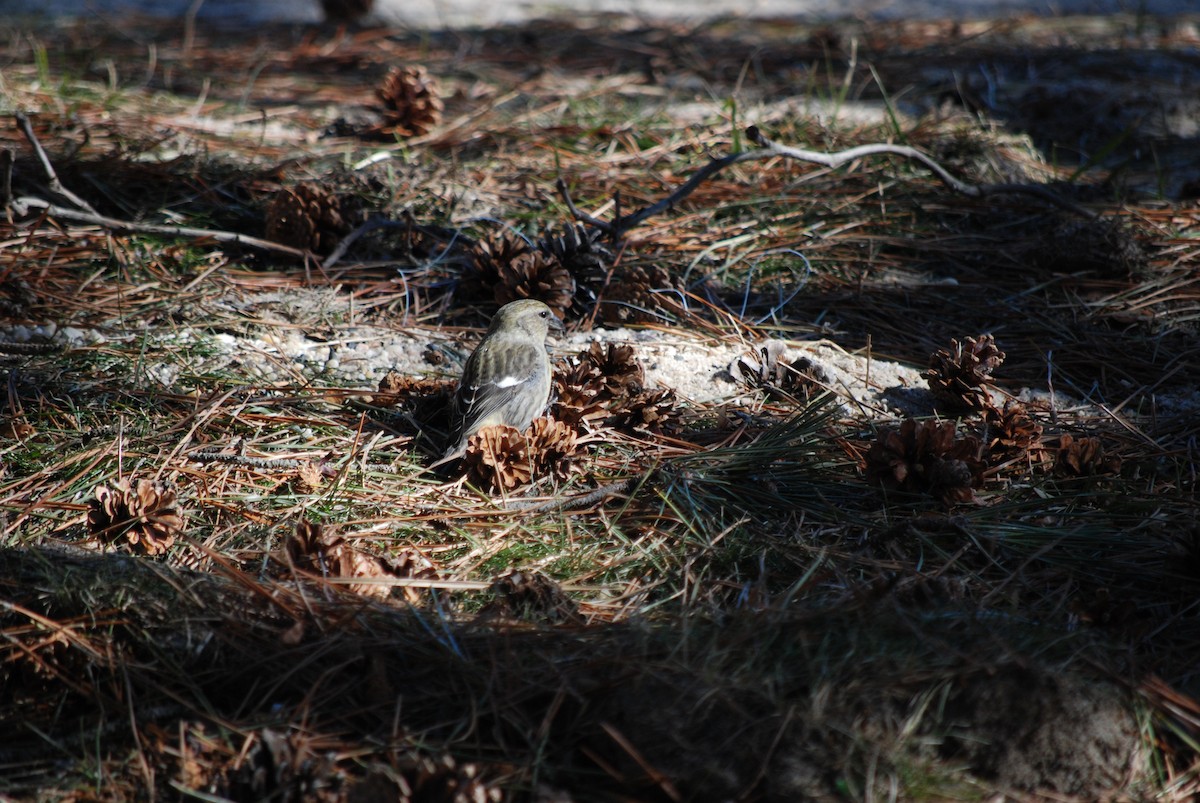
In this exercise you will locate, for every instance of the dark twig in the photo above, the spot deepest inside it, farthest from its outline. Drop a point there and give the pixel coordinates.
(579, 500)
(7, 347)
(616, 229)
(6, 168)
(344, 244)
(578, 214)
(56, 186)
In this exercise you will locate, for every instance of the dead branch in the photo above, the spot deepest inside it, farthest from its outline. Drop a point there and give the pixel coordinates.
(579, 500)
(56, 186)
(281, 463)
(89, 215)
(6, 170)
(970, 190)
(10, 347)
(767, 148)
(22, 206)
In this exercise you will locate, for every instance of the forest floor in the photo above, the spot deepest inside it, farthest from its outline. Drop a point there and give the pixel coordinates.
(858, 484)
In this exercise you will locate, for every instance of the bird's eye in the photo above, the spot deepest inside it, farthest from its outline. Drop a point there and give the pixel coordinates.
(544, 313)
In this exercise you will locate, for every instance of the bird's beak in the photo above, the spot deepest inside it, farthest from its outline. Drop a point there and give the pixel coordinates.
(555, 323)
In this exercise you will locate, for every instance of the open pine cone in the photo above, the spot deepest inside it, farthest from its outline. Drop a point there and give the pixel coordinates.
(531, 595)
(488, 258)
(312, 548)
(411, 105)
(613, 369)
(307, 216)
(1082, 457)
(650, 411)
(767, 368)
(630, 298)
(397, 388)
(499, 250)
(1011, 429)
(537, 276)
(496, 458)
(927, 457)
(553, 445)
(142, 513)
(959, 376)
(595, 383)
(580, 251)
(501, 458)
(577, 405)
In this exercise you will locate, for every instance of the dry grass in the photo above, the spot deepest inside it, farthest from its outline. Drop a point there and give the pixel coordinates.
(713, 601)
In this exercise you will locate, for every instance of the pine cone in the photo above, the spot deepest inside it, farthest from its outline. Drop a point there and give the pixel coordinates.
(345, 10)
(959, 377)
(578, 406)
(1083, 457)
(928, 457)
(307, 216)
(600, 379)
(531, 595)
(651, 411)
(144, 513)
(496, 458)
(396, 388)
(423, 399)
(501, 458)
(498, 251)
(1011, 429)
(629, 297)
(534, 275)
(615, 367)
(410, 101)
(552, 445)
(311, 548)
(766, 369)
(611, 378)
(580, 252)
(488, 257)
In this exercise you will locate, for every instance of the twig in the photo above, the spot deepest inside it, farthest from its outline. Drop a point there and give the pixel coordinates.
(449, 236)
(24, 204)
(579, 500)
(7, 347)
(189, 29)
(282, 463)
(767, 149)
(6, 170)
(56, 186)
(344, 244)
(266, 463)
(89, 215)
(970, 190)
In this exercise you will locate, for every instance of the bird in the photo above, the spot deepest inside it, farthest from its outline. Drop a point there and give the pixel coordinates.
(506, 380)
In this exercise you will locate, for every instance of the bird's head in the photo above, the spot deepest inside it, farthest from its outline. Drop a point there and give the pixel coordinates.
(527, 315)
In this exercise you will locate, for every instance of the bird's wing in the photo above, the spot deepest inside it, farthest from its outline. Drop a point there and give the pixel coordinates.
(511, 370)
